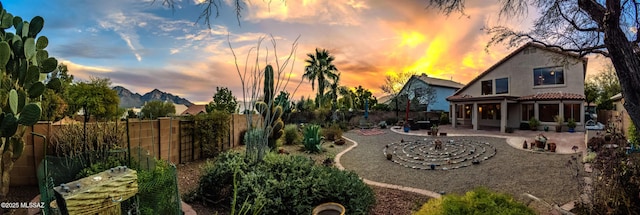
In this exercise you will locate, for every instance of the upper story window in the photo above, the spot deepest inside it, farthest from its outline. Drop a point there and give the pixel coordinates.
(502, 85)
(548, 76)
(419, 91)
(487, 87)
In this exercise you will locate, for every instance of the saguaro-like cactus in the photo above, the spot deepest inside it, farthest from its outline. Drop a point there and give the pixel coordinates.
(271, 113)
(24, 63)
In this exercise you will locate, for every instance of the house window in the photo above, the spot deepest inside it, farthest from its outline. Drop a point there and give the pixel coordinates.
(527, 112)
(489, 111)
(487, 87)
(502, 85)
(548, 76)
(572, 111)
(548, 111)
(419, 91)
(467, 111)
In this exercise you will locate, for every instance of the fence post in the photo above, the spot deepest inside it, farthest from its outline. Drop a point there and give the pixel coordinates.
(159, 141)
(128, 144)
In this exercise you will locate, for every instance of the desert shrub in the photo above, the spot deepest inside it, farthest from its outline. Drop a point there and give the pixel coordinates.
(212, 131)
(589, 157)
(242, 133)
(477, 201)
(157, 189)
(312, 140)
(100, 166)
(444, 118)
(391, 120)
(634, 137)
(332, 133)
(321, 115)
(283, 184)
(381, 107)
(68, 140)
(617, 188)
(291, 134)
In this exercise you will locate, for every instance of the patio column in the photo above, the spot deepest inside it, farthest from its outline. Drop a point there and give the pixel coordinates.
(474, 116)
(503, 116)
(453, 115)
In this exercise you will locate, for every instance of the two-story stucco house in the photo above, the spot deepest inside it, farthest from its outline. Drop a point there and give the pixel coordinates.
(441, 88)
(533, 81)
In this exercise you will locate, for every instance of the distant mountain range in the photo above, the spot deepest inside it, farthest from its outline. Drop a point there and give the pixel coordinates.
(129, 99)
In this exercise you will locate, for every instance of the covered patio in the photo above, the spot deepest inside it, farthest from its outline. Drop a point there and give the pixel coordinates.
(509, 112)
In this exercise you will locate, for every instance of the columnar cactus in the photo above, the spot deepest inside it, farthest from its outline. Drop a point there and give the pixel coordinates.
(25, 64)
(268, 84)
(271, 113)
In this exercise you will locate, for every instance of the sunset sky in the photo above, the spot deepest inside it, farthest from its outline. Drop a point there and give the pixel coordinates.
(143, 45)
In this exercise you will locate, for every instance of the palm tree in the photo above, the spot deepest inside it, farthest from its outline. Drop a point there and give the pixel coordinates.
(320, 67)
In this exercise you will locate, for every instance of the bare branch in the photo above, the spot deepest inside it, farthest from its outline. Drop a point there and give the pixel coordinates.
(573, 22)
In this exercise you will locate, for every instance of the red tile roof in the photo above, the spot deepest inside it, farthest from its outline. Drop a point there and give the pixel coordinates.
(195, 110)
(459, 97)
(552, 96)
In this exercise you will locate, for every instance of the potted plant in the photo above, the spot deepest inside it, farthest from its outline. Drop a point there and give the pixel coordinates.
(434, 130)
(329, 208)
(534, 123)
(559, 121)
(406, 127)
(571, 123)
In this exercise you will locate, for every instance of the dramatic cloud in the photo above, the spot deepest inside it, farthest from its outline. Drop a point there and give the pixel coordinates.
(143, 45)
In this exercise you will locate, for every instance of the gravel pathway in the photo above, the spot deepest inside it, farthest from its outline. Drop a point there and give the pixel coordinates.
(513, 171)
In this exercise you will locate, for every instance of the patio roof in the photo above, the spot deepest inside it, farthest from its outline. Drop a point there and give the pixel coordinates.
(533, 97)
(552, 96)
(466, 97)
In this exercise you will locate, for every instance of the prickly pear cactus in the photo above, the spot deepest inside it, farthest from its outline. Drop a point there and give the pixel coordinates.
(24, 64)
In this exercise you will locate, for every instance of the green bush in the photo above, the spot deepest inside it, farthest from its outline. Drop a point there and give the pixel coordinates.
(291, 134)
(157, 189)
(391, 120)
(332, 133)
(634, 137)
(283, 184)
(444, 118)
(100, 166)
(321, 115)
(477, 201)
(212, 131)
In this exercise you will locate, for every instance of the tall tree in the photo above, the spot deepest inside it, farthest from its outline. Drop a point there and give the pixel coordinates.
(320, 68)
(393, 83)
(608, 85)
(591, 92)
(94, 98)
(156, 108)
(605, 27)
(54, 104)
(362, 96)
(223, 100)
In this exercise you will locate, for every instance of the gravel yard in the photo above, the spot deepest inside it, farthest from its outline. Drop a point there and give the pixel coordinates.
(514, 171)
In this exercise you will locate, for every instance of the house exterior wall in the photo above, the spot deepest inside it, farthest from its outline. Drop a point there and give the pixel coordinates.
(440, 102)
(519, 70)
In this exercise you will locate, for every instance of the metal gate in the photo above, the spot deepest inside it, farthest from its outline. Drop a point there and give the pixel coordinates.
(187, 141)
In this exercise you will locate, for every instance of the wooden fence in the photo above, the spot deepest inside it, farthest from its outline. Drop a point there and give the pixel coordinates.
(166, 138)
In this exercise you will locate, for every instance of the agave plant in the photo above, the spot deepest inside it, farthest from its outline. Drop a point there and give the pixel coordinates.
(312, 140)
